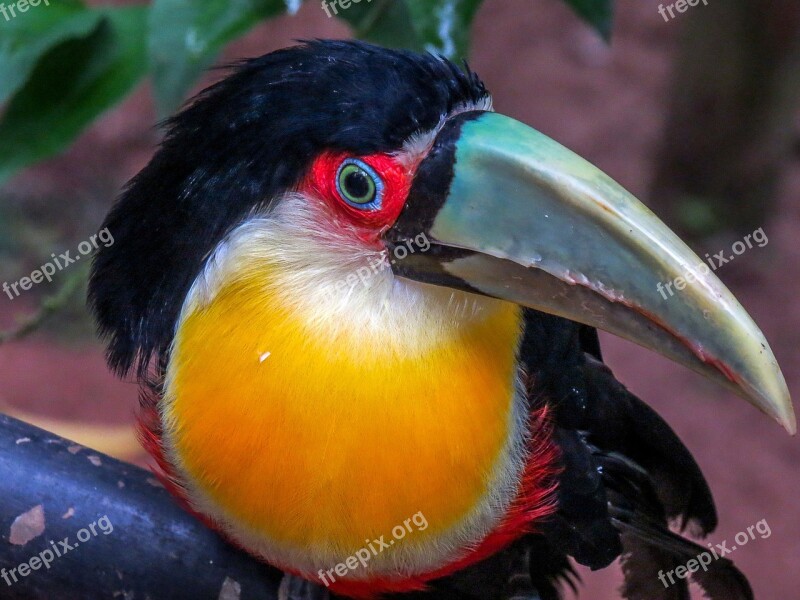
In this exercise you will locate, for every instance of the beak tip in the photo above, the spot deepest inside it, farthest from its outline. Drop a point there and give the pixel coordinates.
(789, 423)
(783, 410)
(778, 406)
(783, 413)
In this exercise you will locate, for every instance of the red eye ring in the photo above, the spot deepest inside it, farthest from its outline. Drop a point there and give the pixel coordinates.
(394, 178)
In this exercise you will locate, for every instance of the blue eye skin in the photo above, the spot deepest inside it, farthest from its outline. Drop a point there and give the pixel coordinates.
(359, 185)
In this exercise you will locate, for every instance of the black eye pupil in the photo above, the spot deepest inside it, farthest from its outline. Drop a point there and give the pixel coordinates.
(357, 184)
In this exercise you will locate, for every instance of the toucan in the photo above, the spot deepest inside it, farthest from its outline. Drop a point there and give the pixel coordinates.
(363, 309)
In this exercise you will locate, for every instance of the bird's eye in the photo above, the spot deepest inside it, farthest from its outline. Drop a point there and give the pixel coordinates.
(359, 185)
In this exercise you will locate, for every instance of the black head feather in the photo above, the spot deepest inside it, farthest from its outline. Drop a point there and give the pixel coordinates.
(234, 149)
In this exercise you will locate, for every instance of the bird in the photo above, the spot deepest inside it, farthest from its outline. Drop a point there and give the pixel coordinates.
(363, 309)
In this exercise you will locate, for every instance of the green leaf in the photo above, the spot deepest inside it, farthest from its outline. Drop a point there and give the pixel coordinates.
(27, 36)
(71, 86)
(185, 37)
(444, 25)
(438, 26)
(385, 22)
(598, 13)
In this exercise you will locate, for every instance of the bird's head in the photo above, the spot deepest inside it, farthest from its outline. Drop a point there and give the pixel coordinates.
(328, 156)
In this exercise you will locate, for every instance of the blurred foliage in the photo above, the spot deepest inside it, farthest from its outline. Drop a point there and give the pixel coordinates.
(63, 65)
(63, 298)
(71, 84)
(599, 13)
(30, 230)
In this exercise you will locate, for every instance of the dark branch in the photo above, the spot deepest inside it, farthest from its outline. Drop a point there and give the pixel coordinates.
(155, 550)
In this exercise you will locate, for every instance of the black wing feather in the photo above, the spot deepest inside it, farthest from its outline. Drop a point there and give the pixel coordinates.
(618, 452)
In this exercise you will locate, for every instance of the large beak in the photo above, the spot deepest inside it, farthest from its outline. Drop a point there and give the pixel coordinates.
(510, 213)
